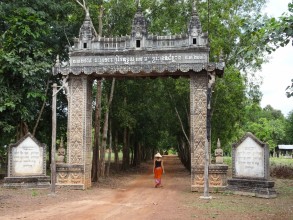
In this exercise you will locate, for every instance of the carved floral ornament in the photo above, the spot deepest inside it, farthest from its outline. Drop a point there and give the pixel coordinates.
(144, 68)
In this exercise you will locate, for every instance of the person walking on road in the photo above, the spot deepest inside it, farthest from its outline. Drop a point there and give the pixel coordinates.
(158, 170)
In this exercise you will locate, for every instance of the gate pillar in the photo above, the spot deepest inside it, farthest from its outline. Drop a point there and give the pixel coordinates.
(199, 85)
(198, 129)
(76, 172)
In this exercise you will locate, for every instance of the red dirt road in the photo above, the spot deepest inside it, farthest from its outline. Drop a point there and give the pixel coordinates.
(133, 196)
(136, 200)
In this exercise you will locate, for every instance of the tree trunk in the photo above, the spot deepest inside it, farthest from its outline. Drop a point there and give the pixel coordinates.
(110, 150)
(100, 19)
(139, 154)
(125, 161)
(105, 130)
(180, 121)
(116, 151)
(22, 130)
(184, 153)
(42, 109)
(136, 154)
(95, 160)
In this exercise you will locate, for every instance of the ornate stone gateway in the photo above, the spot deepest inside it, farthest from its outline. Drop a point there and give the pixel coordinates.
(139, 55)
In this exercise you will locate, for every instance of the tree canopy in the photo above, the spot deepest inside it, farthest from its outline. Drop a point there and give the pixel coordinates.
(155, 113)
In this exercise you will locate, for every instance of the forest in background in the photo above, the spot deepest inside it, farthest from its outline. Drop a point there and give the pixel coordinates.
(145, 115)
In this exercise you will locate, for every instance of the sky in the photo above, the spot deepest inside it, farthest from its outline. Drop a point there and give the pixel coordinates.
(278, 72)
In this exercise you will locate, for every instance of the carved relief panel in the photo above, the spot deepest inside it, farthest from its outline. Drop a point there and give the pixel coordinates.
(198, 113)
(198, 132)
(75, 120)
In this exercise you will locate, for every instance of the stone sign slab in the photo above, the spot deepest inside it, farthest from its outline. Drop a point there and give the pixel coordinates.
(250, 168)
(27, 164)
(27, 157)
(250, 158)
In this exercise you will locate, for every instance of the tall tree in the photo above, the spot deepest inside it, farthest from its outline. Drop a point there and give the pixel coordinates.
(29, 32)
(289, 129)
(105, 129)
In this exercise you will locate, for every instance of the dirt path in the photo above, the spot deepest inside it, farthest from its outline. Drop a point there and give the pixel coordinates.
(133, 196)
(136, 199)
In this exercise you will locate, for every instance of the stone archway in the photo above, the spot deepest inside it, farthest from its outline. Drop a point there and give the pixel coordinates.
(139, 55)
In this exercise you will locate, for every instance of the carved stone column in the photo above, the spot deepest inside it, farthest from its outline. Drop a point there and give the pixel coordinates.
(76, 173)
(198, 131)
(198, 134)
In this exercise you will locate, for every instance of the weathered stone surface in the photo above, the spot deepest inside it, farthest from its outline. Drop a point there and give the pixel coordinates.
(71, 176)
(250, 168)
(217, 178)
(250, 158)
(27, 164)
(257, 188)
(77, 170)
(27, 182)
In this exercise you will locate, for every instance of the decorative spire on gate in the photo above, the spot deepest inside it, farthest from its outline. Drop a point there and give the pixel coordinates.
(196, 36)
(87, 32)
(139, 23)
(194, 27)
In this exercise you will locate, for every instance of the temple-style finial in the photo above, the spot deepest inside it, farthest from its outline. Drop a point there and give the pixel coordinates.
(193, 8)
(139, 24)
(221, 57)
(138, 5)
(87, 13)
(194, 27)
(57, 63)
(61, 142)
(194, 11)
(218, 143)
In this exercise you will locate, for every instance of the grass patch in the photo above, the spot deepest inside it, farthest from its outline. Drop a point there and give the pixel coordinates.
(120, 156)
(34, 193)
(275, 161)
(284, 186)
(231, 205)
(228, 161)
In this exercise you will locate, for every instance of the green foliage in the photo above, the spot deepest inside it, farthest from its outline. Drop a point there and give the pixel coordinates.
(168, 17)
(267, 124)
(228, 106)
(289, 129)
(114, 11)
(32, 34)
(34, 193)
(276, 161)
(279, 32)
(269, 131)
(24, 66)
(289, 90)
(144, 107)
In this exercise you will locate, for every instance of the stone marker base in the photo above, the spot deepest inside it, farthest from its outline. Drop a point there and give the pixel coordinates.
(248, 187)
(27, 182)
(71, 176)
(217, 178)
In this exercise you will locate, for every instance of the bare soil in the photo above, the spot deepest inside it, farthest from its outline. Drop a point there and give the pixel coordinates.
(132, 195)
